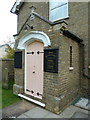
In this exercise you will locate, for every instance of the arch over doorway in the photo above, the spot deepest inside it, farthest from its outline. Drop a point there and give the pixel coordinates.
(30, 37)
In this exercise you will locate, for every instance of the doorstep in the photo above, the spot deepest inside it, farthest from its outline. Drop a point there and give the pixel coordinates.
(31, 100)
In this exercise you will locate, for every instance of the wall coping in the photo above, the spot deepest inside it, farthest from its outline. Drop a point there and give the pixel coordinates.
(2, 59)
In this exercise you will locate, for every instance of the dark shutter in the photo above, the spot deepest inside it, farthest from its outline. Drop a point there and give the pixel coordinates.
(18, 59)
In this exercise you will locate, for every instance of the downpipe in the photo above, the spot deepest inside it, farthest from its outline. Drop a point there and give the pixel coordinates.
(83, 61)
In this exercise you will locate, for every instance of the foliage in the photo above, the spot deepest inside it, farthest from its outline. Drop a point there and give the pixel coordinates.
(10, 47)
(10, 53)
(10, 41)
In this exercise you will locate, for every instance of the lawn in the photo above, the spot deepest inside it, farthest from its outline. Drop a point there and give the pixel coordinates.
(8, 98)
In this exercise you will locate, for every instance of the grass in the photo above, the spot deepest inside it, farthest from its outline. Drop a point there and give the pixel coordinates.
(8, 98)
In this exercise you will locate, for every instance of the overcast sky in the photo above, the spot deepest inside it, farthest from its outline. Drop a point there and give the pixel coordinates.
(8, 21)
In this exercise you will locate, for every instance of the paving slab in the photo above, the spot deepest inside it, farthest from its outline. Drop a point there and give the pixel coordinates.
(73, 111)
(52, 115)
(37, 112)
(68, 112)
(83, 110)
(80, 115)
(23, 116)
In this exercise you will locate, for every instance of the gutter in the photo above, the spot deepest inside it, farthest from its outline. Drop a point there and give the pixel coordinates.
(78, 40)
(72, 36)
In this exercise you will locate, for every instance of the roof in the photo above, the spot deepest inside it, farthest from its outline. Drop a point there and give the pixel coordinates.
(17, 6)
(4, 45)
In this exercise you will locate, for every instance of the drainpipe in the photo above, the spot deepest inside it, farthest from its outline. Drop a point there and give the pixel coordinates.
(83, 60)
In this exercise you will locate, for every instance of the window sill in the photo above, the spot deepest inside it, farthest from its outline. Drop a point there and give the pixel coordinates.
(71, 68)
(55, 21)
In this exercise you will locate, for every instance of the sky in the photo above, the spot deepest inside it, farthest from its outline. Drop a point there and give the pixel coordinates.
(8, 21)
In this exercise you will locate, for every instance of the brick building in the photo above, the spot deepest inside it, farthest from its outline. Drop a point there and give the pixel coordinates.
(52, 63)
(3, 50)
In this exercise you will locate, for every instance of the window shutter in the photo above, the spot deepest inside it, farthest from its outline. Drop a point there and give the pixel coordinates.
(18, 59)
(58, 10)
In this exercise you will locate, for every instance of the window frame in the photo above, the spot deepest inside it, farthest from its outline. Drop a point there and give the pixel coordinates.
(71, 56)
(59, 18)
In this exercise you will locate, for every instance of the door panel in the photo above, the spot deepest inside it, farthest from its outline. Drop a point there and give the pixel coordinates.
(34, 69)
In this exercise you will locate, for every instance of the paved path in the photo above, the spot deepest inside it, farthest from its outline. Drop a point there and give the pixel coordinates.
(70, 112)
(17, 109)
(25, 109)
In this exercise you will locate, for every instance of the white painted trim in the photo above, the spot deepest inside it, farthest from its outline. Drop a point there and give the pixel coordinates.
(71, 68)
(38, 35)
(25, 74)
(15, 5)
(31, 100)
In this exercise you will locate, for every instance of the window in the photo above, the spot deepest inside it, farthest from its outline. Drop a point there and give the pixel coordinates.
(6, 49)
(58, 10)
(71, 56)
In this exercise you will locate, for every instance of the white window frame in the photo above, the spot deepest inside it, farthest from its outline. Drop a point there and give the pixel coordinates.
(57, 7)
